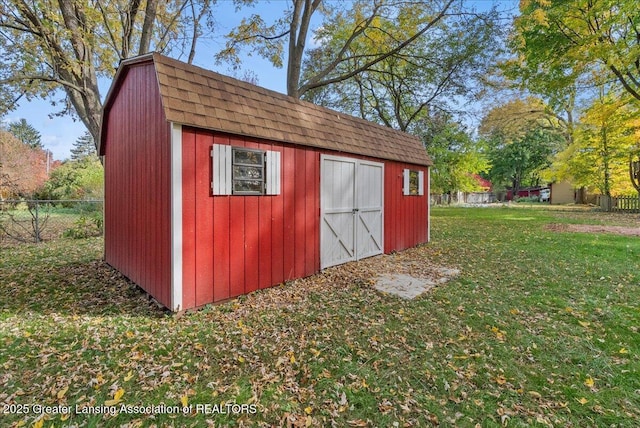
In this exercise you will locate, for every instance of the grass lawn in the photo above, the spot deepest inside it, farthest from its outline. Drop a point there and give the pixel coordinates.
(540, 329)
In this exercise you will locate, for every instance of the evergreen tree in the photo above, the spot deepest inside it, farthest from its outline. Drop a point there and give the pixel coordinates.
(84, 148)
(26, 133)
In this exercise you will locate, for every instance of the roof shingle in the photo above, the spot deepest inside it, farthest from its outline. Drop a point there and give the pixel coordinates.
(202, 98)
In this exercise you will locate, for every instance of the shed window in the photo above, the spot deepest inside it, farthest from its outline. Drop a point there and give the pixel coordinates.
(248, 171)
(413, 182)
(241, 171)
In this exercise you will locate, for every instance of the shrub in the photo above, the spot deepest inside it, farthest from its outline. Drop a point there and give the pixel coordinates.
(85, 227)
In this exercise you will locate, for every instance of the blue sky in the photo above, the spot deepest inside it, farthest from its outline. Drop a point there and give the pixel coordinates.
(59, 133)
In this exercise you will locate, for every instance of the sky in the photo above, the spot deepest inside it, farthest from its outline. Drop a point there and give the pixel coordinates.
(59, 133)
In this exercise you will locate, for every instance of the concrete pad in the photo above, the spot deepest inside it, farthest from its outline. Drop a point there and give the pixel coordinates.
(409, 287)
(404, 286)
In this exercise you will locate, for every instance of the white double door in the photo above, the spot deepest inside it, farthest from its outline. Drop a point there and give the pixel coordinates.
(351, 209)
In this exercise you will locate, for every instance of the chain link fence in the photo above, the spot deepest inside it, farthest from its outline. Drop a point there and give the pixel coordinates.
(35, 221)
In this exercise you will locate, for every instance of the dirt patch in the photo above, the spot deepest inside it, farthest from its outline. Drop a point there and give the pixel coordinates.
(593, 228)
(410, 287)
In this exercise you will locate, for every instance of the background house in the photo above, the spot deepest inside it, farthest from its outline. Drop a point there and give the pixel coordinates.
(562, 192)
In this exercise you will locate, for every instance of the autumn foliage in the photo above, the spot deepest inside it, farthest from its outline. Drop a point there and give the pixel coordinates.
(23, 169)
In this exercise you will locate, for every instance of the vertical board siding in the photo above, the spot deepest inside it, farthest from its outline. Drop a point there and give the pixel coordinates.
(239, 244)
(312, 209)
(221, 240)
(137, 184)
(289, 213)
(405, 216)
(188, 220)
(231, 245)
(299, 217)
(204, 225)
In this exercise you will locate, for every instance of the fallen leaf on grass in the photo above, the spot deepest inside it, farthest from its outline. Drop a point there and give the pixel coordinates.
(535, 394)
(117, 396)
(61, 393)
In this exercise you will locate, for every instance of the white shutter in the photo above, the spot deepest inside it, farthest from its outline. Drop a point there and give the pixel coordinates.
(272, 173)
(421, 183)
(221, 158)
(405, 182)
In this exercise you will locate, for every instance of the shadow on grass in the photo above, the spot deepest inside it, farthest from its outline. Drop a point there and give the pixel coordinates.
(77, 288)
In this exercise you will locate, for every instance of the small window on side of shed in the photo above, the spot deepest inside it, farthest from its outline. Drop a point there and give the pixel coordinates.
(242, 171)
(247, 172)
(413, 182)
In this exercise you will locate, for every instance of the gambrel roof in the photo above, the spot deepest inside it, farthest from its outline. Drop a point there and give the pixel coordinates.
(201, 98)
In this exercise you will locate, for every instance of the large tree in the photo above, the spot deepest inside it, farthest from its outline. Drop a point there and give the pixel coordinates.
(23, 169)
(292, 31)
(456, 156)
(66, 45)
(26, 133)
(83, 148)
(561, 44)
(519, 163)
(523, 136)
(438, 71)
(516, 117)
(605, 138)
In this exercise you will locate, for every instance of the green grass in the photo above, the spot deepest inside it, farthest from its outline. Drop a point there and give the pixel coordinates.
(540, 329)
(81, 219)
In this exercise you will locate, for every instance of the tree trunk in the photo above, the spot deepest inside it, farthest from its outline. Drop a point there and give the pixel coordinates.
(606, 167)
(82, 90)
(298, 30)
(147, 26)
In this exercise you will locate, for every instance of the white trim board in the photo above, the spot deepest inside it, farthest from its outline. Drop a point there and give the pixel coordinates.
(176, 217)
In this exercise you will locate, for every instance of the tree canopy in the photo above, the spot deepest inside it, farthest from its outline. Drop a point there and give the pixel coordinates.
(360, 22)
(84, 148)
(456, 156)
(583, 58)
(599, 154)
(434, 73)
(23, 169)
(563, 43)
(65, 45)
(522, 136)
(26, 133)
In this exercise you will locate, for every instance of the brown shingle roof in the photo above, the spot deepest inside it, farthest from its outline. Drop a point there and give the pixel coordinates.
(204, 99)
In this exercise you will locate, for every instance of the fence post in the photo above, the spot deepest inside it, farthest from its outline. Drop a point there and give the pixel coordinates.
(37, 229)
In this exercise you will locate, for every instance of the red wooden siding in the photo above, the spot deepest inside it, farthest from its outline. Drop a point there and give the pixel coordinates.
(237, 244)
(405, 216)
(138, 183)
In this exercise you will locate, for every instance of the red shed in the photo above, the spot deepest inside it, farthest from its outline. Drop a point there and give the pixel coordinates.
(215, 187)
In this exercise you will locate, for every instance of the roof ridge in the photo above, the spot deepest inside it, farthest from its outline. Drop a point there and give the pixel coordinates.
(270, 92)
(195, 96)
